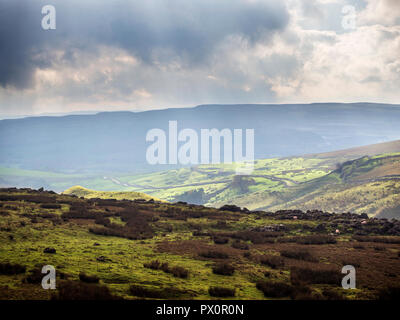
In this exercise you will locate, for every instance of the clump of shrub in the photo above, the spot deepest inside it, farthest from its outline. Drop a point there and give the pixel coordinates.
(256, 237)
(247, 255)
(230, 207)
(304, 293)
(50, 216)
(34, 220)
(137, 225)
(105, 221)
(11, 207)
(298, 254)
(74, 290)
(316, 239)
(143, 292)
(34, 277)
(50, 250)
(176, 271)
(224, 269)
(50, 206)
(4, 213)
(221, 292)
(273, 262)
(214, 255)
(274, 289)
(27, 198)
(78, 211)
(221, 224)
(164, 267)
(123, 232)
(310, 239)
(240, 245)
(179, 272)
(221, 240)
(146, 292)
(10, 269)
(200, 234)
(154, 265)
(301, 275)
(392, 240)
(88, 279)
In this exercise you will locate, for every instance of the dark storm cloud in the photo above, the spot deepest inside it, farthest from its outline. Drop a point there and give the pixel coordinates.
(15, 47)
(186, 29)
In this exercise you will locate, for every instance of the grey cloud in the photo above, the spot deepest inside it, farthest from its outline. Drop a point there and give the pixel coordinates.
(189, 30)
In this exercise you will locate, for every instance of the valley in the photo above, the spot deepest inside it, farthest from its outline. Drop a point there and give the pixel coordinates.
(358, 180)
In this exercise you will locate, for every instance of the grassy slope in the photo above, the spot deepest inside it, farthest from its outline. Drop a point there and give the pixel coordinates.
(275, 183)
(76, 252)
(369, 184)
(216, 180)
(118, 195)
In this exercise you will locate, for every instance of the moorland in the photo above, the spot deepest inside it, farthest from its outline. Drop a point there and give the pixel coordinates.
(147, 249)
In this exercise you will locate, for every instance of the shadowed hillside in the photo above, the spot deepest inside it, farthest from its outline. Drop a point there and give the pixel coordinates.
(358, 152)
(116, 141)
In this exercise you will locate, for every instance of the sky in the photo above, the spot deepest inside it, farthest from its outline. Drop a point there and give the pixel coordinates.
(141, 55)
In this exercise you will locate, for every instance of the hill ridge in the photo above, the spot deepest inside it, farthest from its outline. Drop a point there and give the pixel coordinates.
(118, 195)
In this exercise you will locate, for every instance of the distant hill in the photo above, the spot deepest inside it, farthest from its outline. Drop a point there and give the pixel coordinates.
(338, 181)
(358, 152)
(115, 142)
(90, 194)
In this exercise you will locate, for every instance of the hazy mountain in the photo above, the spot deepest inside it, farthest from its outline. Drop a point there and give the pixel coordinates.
(115, 141)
